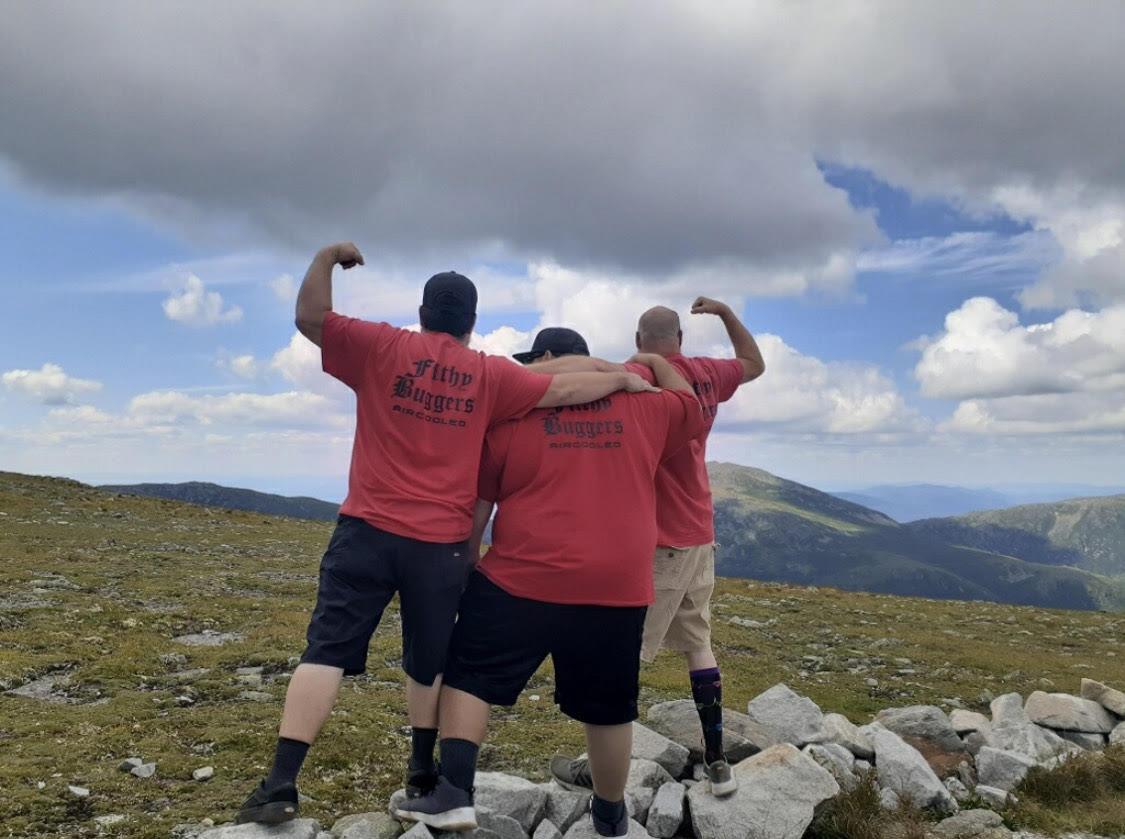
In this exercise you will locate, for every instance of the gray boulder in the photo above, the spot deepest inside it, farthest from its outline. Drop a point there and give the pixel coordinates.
(667, 811)
(792, 718)
(902, 769)
(420, 831)
(966, 722)
(564, 807)
(1110, 699)
(1071, 713)
(366, 826)
(1117, 736)
(1008, 709)
(584, 829)
(1001, 769)
(1040, 744)
(645, 778)
(546, 830)
(654, 746)
(970, 824)
(837, 760)
(1085, 740)
(508, 795)
(679, 721)
(778, 790)
(836, 728)
(924, 723)
(296, 829)
(503, 826)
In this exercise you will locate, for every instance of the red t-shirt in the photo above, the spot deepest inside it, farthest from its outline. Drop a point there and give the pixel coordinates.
(684, 514)
(577, 517)
(423, 404)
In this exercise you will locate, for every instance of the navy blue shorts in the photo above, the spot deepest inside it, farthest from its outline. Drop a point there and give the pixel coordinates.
(500, 640)
(360, 573)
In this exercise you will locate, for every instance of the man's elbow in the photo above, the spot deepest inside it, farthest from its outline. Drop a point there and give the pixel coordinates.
(310, 327)
(751, 369)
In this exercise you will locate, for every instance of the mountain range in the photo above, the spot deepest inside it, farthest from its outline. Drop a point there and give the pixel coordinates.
(910, 502)
(1065, 555)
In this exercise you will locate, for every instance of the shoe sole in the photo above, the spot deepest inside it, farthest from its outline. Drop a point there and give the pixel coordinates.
(459, 818)
(275, 812)
(724, 788)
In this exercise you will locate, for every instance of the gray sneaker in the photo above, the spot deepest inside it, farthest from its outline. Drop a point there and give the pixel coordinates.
(572, 774)
(721, 777)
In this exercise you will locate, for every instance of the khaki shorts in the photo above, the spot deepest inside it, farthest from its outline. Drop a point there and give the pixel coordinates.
(680, 617)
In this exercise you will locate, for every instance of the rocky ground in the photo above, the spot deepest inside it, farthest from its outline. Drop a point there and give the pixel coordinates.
(150, 630)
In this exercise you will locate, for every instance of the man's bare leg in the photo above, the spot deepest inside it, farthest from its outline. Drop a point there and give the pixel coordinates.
(702, 660)
(609, 748)
(309, 700)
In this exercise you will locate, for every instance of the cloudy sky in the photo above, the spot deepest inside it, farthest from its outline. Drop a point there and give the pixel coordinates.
(918, 210)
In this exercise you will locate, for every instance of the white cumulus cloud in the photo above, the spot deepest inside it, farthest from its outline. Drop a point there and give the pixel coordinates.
(195, 306)
(985, 352)
(50, 384)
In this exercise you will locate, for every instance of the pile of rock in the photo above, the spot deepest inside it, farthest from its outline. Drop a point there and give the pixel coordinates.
(789, 757)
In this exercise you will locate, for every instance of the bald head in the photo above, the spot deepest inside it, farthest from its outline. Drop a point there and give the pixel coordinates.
(658, 331)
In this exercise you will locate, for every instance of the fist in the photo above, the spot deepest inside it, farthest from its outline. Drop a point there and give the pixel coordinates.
(707, 306)
(346, 255)
(636, 384)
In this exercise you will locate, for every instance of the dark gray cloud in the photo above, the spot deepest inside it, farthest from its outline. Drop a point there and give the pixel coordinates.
(648, 135)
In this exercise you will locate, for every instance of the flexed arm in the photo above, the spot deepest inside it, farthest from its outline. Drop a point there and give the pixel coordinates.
(314, 300)
(745, 347)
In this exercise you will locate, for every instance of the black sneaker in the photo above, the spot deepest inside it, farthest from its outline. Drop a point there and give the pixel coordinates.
(573, 774)
(420, 782)
(269, 806)
(446, 807)
(618, 827)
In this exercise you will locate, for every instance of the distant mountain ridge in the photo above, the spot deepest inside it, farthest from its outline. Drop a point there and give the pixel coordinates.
(1087, 533)
(781, 531)
(215, 495)
(911, 502)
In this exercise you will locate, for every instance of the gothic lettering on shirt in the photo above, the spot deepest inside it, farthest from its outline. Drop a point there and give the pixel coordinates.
(413, 388)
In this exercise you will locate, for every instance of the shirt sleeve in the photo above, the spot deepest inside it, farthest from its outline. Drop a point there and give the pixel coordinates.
(727, 375)
(642, 370)
(515, 390)
(685, 421)
(346, 343)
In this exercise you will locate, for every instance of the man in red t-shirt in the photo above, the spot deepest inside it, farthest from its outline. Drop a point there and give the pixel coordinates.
(569, 574)
(684, 563)
(424, 402)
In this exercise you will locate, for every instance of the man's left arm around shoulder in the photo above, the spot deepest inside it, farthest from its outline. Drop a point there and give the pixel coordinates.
(745, 347)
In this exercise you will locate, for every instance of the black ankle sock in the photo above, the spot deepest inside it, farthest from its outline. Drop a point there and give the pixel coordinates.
(422, 742)
(707, 690)
(287, 762)
(459, 761)
(608, 811)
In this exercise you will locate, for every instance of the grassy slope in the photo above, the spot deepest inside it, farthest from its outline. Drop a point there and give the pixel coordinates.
(148, 570)
(774, 529)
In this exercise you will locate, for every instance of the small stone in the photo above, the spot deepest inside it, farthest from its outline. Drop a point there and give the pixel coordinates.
(1107, 697)
(792, 718)
(1117, 736)
(957, 789)
(129, 764)
(888, 799)
(110, 819)
(992, 796)
(145, 770)
(1086, 740)
(969, 824)
(546, 830)
(667, 811)
(256, 696)
(366, 826)
(1008, 708)
(78, 792)
(203, 773)
(965, 722)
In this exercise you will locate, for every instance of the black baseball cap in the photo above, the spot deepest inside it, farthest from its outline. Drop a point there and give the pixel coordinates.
(558, 340)
(449, 304)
